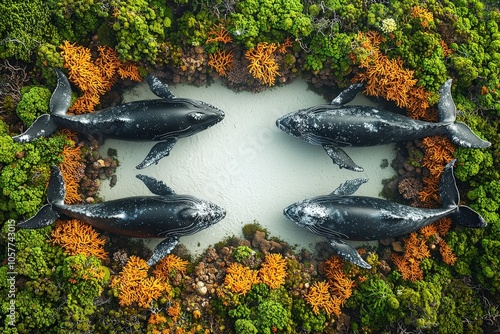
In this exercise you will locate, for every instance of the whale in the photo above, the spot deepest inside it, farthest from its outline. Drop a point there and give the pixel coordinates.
(341, 216)
(337, 125)
(167, 215)
(163, 120)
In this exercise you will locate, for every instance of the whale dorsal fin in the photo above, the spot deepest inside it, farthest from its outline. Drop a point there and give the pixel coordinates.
(156, 187)
(347, 95)
(349, 187)
(162, 249)
(348, 253)
(157, 152)
(159, 88)
(341, 158)
(446, 106)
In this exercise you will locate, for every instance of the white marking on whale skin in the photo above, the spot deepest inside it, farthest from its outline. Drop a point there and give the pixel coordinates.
(370, 127)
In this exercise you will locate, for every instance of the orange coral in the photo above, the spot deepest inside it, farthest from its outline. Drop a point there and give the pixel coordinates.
(76, 237)
(388, 78)
(438, 152)
(446, 253)
(134, 285)
(263, 65)
(219, 33)
(341, 285)
(409, 263)
(443, 225)
(239, 279)
(174, 311)
(273, 271)
(169, 265)
(221, 61)
(423, 14)
(319, 297)
(155, 319)
(94, 78)
(72, 169)
(287, 43)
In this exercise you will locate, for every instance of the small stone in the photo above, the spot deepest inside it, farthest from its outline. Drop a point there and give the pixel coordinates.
(90, 199)
(101, 163)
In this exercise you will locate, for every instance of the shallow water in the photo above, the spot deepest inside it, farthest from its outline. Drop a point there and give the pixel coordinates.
(245, 163)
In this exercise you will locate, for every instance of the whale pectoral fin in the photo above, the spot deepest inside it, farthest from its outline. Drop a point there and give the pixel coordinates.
(43, 126)
(162, 249)
(348, 187)
(156, 187)
(348, 253)
(159, 88)
(159, 151)
(341, 158)
(44, 217)
(347, 95)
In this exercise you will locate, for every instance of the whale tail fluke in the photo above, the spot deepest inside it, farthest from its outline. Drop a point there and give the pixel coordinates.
(55, 196)
(59, 103)
(459, 133)
(466, 217)
(450, 197)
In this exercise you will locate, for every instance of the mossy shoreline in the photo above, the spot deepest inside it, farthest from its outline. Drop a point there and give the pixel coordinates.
(402, 50)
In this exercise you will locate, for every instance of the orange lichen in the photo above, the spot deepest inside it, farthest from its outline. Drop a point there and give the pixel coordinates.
(287, 43)
(219, 33)
(386, 77)
(239, 279)
(170, 265)
(155, 319)
(263, 65)
(174, 311)
(423, 14)
(319, 298)
(428, 231)
(72, 169)
(76, 237)
(341, 285)
(408, 264)
(273, 271)
(134, 285)
(221, 61)
(94, 78)
(438, 152)
(443, 226)
(447, 253)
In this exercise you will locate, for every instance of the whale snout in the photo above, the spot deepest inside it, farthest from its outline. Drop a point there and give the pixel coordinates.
(293, 213)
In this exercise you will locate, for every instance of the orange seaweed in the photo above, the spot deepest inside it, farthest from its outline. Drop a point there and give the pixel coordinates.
(273, 271)
(76, 237)
(263, 65)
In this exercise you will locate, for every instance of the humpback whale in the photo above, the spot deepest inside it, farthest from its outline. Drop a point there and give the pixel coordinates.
(340, 216)
(167, 215)
(334, 126)
(163, 120)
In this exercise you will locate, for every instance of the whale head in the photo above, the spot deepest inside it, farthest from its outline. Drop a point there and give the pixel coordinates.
(201, 115)
(306, 213)
(293, 124)
(199, 216)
